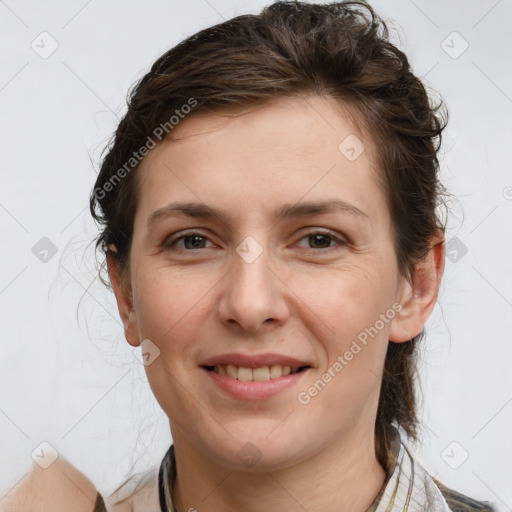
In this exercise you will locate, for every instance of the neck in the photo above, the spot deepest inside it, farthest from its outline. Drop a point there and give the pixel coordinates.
(343, 476)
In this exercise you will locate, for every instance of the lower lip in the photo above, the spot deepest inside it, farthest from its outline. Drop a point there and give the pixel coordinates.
(254, 389)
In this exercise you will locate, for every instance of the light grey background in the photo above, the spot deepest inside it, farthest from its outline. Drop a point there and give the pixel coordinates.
(67, 375)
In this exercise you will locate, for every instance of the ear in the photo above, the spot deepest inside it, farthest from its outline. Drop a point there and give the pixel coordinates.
(124, 299)
(418, 297)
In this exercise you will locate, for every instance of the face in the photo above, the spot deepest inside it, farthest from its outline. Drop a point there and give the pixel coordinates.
(253, 282)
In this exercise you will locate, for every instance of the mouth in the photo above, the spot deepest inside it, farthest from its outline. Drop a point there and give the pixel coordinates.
(263, 373)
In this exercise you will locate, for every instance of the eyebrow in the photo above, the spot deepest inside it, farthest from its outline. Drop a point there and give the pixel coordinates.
(294, 210)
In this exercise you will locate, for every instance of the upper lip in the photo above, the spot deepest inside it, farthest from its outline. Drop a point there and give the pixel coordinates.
(254, 361)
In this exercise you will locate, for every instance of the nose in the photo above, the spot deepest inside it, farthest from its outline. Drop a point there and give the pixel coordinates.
(253, 294)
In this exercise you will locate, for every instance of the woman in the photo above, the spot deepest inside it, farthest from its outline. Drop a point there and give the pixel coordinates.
(268, 212)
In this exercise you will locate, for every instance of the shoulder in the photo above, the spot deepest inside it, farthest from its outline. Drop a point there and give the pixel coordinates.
(459, 502)
(139, 493)
(434, 495)
(59, 488)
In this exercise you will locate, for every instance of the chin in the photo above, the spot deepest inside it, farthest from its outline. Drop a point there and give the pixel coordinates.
(258, 451)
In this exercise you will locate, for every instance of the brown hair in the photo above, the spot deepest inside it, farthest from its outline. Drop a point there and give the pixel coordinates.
(341, 50)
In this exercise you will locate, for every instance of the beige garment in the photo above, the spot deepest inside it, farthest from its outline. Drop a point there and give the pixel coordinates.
(408, 488)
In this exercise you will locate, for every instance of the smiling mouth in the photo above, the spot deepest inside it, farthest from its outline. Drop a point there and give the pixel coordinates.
(262, 373)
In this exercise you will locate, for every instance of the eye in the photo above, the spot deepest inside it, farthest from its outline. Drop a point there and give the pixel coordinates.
(322, 238)
(191, 241)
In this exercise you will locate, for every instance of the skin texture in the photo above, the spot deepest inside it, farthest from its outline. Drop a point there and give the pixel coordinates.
(59, 488)
(298, 298)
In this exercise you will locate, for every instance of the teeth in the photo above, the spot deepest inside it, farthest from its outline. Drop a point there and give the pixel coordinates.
(261, 374)
(244, 373)
(275, 371)
(231, 370)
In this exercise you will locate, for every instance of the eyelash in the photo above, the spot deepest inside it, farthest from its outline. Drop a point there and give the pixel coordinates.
(171, 243)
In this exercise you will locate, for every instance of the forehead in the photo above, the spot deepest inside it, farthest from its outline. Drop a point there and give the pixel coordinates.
(286, 150)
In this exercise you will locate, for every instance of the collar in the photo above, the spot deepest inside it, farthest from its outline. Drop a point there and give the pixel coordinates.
(408, 486)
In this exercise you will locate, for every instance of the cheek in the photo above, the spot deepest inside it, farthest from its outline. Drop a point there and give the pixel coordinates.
(344, 315)
(171, 310)
(342, 309)
(169, 306)
(345, 300)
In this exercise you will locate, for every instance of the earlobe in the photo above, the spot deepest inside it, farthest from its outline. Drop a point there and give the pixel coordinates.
(123, 298)
(418, 297)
